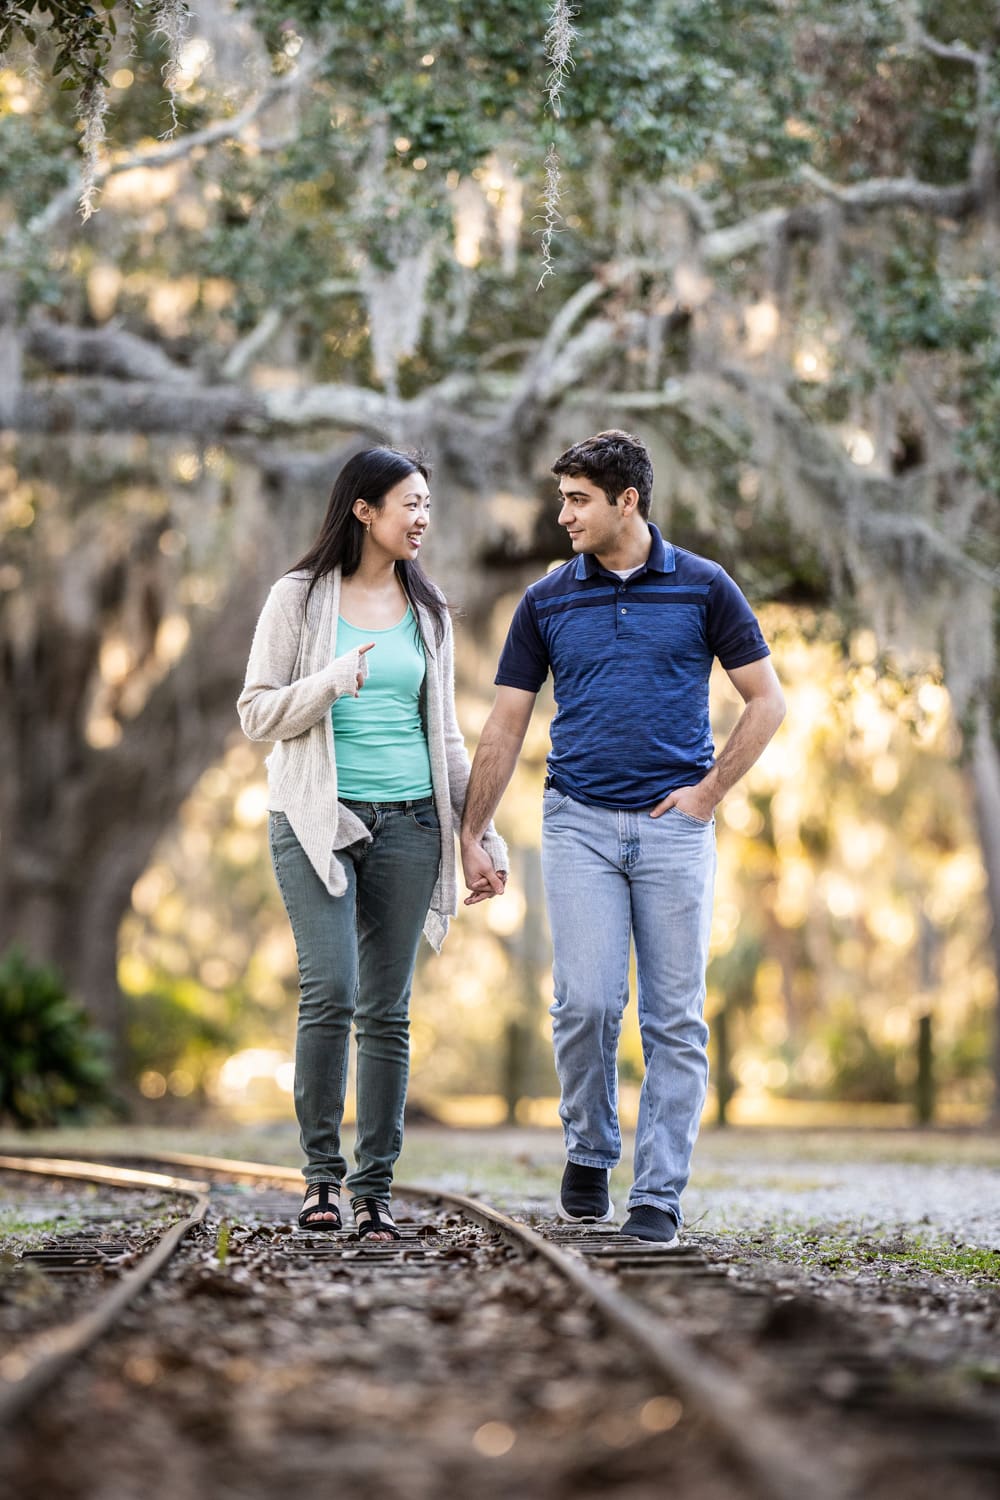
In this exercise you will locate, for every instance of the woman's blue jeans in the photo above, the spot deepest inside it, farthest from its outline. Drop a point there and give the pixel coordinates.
(356, 957)
(613, 878)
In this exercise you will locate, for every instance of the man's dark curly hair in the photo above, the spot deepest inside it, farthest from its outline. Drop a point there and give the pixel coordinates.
(613, 460)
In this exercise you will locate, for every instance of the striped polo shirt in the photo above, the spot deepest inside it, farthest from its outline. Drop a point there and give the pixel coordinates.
(630, 662)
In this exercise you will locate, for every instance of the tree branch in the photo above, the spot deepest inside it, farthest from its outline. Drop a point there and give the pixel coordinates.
(982, 168)
(202, 411)
(953, 51)
(734, 240)
(103, 351)
(210, 135)
(335, 406)
(805, 221)
(896, 192)
(918, 528)
(243, 353)
(537, 371)
(690, 394)
(700, 213)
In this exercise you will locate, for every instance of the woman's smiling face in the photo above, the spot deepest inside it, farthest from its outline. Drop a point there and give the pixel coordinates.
(398, 525)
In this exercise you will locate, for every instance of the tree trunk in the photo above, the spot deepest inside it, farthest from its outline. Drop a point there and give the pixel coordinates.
(80, 825)
(986, 779)
(71, 923)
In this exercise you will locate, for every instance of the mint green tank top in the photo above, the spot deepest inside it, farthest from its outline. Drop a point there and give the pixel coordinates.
(378, 736)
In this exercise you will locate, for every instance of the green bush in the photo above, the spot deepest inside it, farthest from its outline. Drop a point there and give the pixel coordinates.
(52, 1064)
(168, 1028)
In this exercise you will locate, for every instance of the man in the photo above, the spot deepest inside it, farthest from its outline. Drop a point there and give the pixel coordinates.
(629, 629)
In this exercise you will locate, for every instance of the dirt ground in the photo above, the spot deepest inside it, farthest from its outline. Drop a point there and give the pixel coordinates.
(250, 1388)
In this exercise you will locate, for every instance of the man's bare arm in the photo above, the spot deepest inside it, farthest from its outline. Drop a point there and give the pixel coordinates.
(760, 690)
(492, 767)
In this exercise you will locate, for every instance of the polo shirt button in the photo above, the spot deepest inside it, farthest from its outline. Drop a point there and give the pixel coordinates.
(624, 611)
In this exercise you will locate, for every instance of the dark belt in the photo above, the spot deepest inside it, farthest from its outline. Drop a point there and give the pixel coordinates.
(409, 806)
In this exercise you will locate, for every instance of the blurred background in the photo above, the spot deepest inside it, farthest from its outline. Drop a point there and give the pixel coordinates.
(775, 259)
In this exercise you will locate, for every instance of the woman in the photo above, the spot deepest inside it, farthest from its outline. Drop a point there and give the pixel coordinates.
(351, 672)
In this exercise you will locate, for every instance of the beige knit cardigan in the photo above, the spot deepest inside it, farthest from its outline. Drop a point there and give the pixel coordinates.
(292, 680)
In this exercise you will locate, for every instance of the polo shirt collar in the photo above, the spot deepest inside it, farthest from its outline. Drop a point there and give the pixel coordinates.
(661, 558)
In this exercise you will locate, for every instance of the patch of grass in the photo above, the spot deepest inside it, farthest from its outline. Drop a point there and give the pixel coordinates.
(29, 1222)
(20, 1232)
(841, 1253)
(963, 1260)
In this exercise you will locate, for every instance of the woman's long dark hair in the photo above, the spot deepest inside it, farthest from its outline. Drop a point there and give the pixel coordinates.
(369, 475)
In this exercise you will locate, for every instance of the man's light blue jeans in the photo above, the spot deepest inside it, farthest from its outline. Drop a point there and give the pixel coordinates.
(612, 877)
(356, 958)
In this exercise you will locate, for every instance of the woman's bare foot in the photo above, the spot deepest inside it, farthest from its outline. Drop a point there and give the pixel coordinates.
(373, 1220)
(321, 1205)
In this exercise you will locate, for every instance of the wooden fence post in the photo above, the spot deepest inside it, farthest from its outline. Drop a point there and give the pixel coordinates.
(925, 1071)
(723, 1077)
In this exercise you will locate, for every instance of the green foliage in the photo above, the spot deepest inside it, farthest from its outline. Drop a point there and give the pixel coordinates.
(77, 44)
(862, 1069)
(34, 158)
(168, 1028)
(905, 305)
(910, 306)
(51, 1064)
(82, 34)
(979, 441)
(733, 973)
(78, 37)
(679, 83)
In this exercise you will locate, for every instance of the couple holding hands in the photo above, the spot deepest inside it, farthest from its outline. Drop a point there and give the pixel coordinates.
(351, 676)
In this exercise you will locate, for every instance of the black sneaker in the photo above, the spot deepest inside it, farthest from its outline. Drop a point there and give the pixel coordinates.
(648, 1223)
(583, 1197)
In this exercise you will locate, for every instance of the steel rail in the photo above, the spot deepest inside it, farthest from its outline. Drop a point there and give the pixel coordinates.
(27, 1369)
(760, 1445)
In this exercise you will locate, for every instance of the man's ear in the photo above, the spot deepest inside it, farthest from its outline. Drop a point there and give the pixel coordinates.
(629, 499)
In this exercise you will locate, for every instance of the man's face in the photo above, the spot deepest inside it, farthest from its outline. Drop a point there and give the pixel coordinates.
(592, 524)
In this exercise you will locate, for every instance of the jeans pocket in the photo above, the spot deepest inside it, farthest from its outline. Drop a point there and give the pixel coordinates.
(426, 817)
(280, 833)
(552, 801)
(688, 818)
(283, 845)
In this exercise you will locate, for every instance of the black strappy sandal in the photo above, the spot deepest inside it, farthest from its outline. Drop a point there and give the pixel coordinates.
(373, 1217)
(321, 1198)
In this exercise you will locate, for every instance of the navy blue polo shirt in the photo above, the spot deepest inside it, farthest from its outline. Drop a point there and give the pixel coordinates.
(630, 663)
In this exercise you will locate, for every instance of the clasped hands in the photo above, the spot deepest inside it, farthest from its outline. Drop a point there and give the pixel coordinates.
(482, 880)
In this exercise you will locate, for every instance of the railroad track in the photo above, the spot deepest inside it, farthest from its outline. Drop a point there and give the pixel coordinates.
(28, 1368)
(626, 1284)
